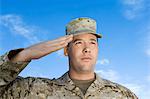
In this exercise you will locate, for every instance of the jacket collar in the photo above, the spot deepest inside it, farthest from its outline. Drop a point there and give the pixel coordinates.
(66, 81)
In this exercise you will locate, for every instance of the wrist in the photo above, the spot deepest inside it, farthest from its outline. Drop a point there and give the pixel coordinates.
(22, 56)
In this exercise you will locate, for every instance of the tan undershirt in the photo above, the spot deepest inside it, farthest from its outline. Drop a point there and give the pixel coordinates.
(83, 84)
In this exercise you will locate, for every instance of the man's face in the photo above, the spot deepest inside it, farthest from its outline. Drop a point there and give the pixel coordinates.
(82, 52)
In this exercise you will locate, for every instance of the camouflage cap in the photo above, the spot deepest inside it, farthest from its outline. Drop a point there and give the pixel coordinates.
(81, 26)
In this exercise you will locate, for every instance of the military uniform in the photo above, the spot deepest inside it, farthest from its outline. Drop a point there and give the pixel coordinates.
(14, 87)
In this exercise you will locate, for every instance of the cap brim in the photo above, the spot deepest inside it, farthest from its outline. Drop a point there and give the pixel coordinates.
(96, 34)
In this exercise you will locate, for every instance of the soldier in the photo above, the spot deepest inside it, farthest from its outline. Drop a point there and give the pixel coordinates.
(80, 82)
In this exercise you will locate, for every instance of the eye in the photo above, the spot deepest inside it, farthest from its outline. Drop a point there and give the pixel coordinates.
(78, 42)
(93, 42)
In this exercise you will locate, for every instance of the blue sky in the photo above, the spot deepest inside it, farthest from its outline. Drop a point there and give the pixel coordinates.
(124, 50)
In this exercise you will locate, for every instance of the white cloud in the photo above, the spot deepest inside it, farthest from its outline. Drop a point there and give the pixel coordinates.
(134, 88)
(147, 40)
(60, 53)
(148, 78)
(146, 93)
(132, 2)
(133, 8)
(109, 74)
(141, 90)
(103, 62)
(148, 52)
(16, 25)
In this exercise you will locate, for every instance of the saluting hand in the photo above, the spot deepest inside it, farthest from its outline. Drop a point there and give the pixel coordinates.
(41, 49)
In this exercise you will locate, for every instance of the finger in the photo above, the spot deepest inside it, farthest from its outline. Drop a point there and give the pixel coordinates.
(48, 47)
(56, 48)
(53, 48)
(62, 43)
(60, 39)
(69, 39)
(55, 42)
(44, 50)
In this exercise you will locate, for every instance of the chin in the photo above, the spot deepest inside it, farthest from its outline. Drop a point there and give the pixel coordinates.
(86, 68)
(86, 71)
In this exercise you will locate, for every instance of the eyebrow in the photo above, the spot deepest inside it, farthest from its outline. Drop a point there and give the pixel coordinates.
(77, 40)
(81, 40)
(93, 40)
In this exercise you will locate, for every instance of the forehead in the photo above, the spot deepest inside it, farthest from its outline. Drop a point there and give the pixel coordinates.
(86, 36)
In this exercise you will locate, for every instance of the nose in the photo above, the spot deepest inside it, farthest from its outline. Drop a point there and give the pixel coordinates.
(86, 48)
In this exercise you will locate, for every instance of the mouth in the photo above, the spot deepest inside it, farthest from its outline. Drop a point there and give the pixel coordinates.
(86, 59)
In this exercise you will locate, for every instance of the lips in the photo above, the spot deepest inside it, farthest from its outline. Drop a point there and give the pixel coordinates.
(86, 58)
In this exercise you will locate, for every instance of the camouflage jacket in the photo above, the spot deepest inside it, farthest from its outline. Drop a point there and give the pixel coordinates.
(14, 87)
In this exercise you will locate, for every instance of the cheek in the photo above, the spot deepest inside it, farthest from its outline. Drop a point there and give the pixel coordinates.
(95, 52)
(74, 53)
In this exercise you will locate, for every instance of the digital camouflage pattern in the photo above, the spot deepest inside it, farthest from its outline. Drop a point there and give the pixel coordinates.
(81, 26)
(14, 87)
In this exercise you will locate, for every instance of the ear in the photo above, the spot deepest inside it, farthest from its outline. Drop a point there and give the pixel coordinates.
(66, 51)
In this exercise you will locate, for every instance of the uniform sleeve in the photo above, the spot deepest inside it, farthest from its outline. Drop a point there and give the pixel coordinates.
(8, 70)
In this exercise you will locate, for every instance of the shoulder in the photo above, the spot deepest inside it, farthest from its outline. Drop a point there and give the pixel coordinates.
(37, 81)
(117, 88)
(29, 85)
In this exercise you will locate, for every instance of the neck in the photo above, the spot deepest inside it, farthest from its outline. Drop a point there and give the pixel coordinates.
(81, 75)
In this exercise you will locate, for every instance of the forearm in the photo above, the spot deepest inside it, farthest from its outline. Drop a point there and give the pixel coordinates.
(9, 70)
